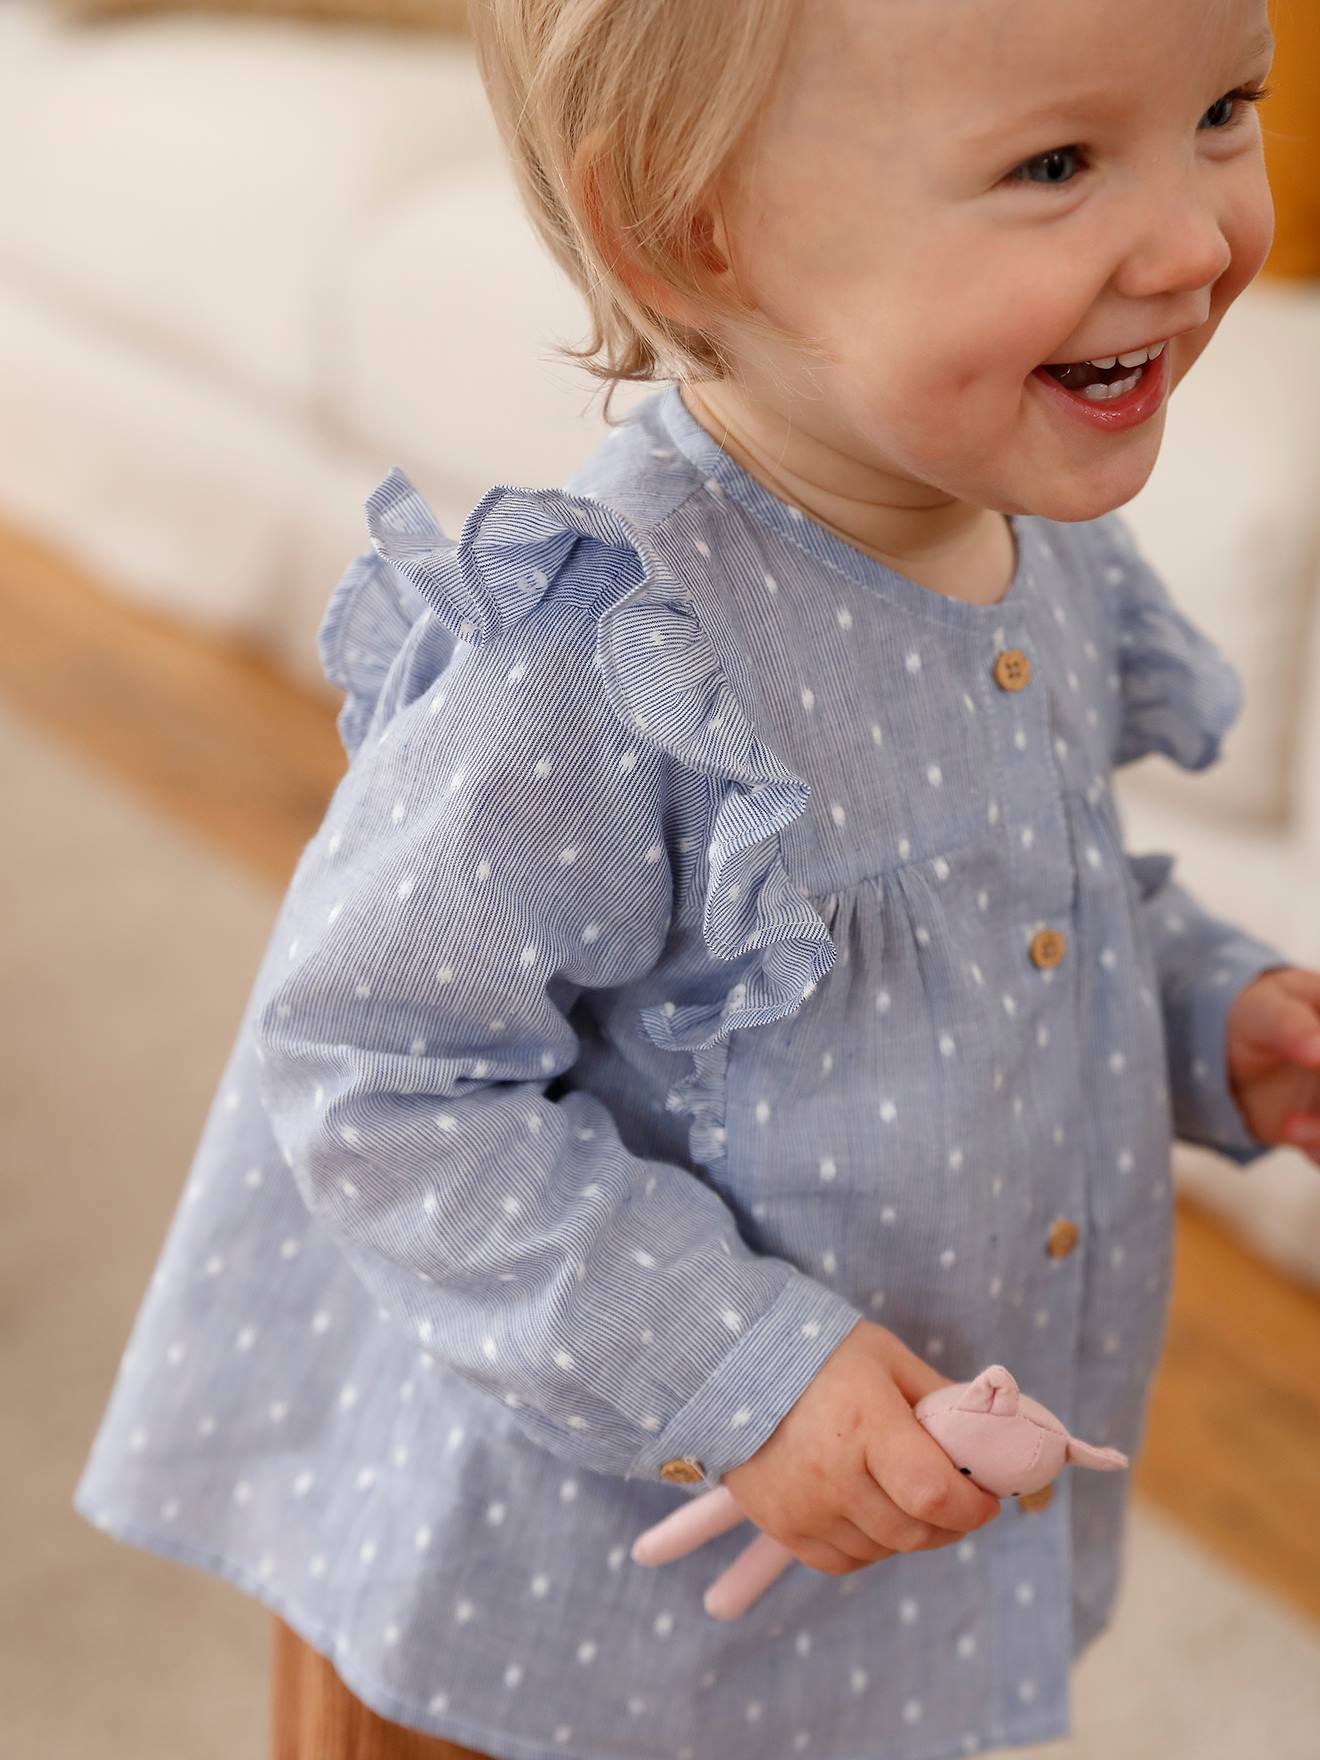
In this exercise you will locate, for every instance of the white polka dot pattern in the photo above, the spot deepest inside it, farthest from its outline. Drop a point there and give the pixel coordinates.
(654, 1003)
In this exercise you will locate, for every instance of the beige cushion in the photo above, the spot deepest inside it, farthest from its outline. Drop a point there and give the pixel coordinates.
(1230, 518)
(440, 353)
(156, 206)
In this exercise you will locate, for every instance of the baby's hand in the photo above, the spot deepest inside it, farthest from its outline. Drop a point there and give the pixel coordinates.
(849, 1476)
(1273, 1054)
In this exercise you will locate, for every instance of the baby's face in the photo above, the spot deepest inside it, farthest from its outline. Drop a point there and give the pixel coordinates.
(904, 201)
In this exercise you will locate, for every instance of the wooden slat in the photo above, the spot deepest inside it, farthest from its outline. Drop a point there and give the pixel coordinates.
(207, 729)
(1232, 1448)
(312, 1715)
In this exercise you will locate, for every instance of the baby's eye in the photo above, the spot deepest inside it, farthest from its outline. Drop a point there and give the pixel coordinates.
(1246, 96)
(1051, 158)
(1241, 99)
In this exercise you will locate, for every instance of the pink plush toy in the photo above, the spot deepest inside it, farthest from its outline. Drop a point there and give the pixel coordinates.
(1004, 1441)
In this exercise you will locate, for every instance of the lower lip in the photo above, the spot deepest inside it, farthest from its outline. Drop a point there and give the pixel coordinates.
(1114, 415)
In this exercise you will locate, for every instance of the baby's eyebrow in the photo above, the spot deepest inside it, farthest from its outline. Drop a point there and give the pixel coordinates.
(1089, 102)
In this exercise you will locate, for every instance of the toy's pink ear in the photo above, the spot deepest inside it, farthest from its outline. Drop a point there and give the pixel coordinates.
(1086, 1454)
(993, 1391)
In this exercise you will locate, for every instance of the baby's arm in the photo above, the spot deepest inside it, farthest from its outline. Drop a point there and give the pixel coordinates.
(1203, 964)
(1179, 697)
(501, 849)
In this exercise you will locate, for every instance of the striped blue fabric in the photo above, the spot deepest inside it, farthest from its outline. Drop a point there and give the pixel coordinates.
(655, 1002)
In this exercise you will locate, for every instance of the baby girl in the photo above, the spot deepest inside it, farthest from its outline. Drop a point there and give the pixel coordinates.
(719, 1007)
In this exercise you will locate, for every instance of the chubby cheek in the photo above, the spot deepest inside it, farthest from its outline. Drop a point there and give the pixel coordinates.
(1249, 230)
(988, 340)
(929, 409)
(1250, 233)
(969, 383)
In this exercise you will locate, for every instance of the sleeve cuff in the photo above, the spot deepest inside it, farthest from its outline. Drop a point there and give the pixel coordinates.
(741, 1404)
(1205, 1111)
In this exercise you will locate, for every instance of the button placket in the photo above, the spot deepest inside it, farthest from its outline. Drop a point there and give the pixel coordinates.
(1029, 810)
(1045, 882)
(1048, 946)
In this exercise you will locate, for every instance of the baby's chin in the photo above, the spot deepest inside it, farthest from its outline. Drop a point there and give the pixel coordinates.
(1070, 493)
(1033, 473)
(1073, 510)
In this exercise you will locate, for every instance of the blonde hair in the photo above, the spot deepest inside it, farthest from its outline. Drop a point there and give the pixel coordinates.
(620, 117)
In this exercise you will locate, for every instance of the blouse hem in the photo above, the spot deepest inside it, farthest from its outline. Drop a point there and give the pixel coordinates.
(498, 1745)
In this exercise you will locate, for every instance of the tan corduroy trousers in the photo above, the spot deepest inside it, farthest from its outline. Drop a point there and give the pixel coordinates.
(313, 1716)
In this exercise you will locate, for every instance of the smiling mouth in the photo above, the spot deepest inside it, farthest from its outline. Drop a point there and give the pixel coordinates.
(1078, 375)
(1112, 409)
(1105, 383)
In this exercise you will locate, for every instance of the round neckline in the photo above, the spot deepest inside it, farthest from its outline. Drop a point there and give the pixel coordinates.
(822, 544)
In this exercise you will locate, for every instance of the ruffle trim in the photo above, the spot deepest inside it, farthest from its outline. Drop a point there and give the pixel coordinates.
(1180, 692)
(660, 667)
(660, 662)
(367, 620)
(512, 547)
(701, 1096)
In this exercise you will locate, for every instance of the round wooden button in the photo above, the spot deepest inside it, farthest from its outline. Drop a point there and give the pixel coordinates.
(1036, 1500)
(1062, 1236)
(682, 1471)
(1012, 669)
(1047, 947)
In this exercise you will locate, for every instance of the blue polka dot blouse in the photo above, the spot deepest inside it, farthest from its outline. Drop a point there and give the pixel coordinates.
(716, 939)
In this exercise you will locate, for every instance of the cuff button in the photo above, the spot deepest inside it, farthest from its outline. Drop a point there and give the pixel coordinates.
(682, 1470)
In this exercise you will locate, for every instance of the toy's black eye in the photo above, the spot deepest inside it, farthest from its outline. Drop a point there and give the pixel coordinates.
(1012, 1494)
(964, 1469)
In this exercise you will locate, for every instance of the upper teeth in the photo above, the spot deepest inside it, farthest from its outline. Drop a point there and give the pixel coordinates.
(1137, 358)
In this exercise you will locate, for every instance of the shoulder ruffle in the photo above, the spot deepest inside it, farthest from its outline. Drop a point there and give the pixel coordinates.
(506, 559)
(1180, 693)
(662, 667)
(660, 661)
(369, 617)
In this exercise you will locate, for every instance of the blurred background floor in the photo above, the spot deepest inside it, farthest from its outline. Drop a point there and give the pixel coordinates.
(156, 789)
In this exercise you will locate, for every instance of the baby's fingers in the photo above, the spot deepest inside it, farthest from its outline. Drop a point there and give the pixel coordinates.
(881, 1525)
(916, 1475)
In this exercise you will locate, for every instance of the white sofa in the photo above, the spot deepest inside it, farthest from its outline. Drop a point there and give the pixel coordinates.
(248, 265)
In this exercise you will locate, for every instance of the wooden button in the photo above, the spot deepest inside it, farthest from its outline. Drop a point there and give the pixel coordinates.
(1036, 1500)
(682, 1471)
(1012, 669)
(1062, 1237)
(1047, 947)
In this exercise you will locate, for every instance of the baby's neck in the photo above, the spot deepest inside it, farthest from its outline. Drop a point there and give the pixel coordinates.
(963, 552)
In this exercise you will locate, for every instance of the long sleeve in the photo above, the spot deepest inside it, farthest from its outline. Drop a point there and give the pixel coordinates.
(1203, 963)
(1180, 695)
(504, 843)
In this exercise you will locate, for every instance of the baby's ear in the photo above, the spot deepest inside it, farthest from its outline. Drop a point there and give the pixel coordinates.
(597, 198)
(1086, 1454)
